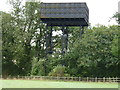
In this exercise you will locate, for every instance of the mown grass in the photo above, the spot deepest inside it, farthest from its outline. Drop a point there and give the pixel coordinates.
(54, 84)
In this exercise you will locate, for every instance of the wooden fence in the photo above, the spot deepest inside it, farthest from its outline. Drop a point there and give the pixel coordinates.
(86, 79)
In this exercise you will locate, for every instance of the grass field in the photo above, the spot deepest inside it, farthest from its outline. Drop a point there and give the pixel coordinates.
(53, 84)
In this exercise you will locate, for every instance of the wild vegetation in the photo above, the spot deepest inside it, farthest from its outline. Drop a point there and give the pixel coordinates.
(95, 54)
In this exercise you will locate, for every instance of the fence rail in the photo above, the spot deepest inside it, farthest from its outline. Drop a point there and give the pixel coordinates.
(86, 79)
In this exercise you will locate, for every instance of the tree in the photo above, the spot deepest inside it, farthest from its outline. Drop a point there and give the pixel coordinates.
(24, 33)
(8, 47)
(26, 23)
(117, 17)
(92, 55)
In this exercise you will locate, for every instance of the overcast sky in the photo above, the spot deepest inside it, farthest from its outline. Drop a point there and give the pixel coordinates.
(100, 11)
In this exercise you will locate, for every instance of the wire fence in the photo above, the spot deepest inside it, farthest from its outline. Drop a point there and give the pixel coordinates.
(86, 79)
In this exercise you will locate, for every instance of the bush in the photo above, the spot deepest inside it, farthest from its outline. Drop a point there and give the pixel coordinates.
(38, 67)
(58, 71)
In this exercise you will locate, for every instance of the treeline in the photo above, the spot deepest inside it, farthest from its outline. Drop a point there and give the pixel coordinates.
(95, 54)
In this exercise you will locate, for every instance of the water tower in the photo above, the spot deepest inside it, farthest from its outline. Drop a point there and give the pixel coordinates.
(63, 15)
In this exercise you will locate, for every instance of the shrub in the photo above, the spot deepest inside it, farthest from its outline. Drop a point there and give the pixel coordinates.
(58, 71)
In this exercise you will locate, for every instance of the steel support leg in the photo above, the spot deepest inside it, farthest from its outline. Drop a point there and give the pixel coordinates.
(64, 39)
(48, 40)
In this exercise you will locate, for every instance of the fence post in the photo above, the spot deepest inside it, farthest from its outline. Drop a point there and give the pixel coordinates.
(113, 79)
(57, 78)
(109, 79)
(72, 78)
(87, 79)
(116, 79)
(96, 79)
(79, 78)
(103, 79)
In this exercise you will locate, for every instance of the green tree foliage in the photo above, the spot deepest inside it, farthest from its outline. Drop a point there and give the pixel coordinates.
(38, 67)
(58, 71)
(93, 55)
(23, 35)
(8, 62)
(117, 17)
(26, 22)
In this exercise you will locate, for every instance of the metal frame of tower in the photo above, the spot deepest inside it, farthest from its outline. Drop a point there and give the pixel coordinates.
(55, 14)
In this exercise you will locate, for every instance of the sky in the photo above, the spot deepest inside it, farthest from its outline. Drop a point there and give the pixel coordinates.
(100, 11)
